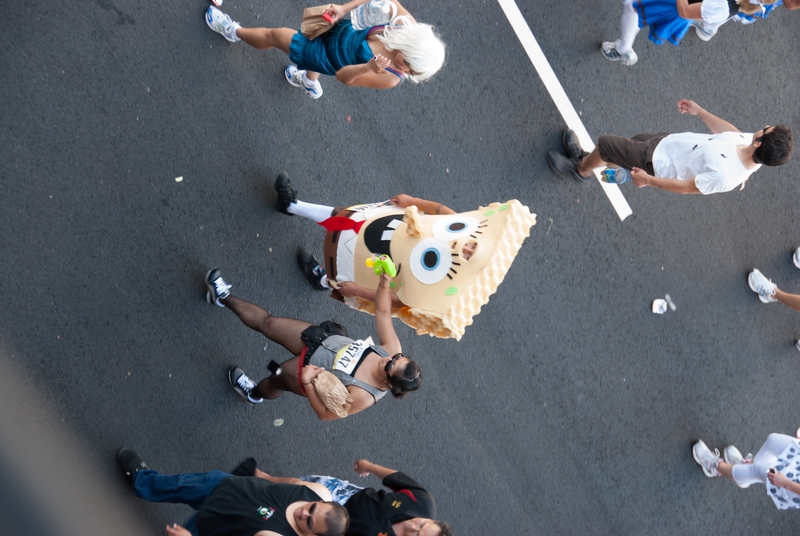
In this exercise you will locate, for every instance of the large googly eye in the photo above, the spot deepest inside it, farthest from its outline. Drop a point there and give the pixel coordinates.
(455, 227)
(431, 260)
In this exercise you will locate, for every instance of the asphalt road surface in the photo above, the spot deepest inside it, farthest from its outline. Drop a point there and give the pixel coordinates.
(568, 408)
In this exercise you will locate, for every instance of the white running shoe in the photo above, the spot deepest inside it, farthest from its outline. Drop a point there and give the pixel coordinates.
(222, 24)
(702, 32)
(612, 53)
(708, 460)
(734, 457)
(296, 78)
(762, 286)
(796, 258)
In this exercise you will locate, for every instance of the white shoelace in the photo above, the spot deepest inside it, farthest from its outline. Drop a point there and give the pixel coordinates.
(245, 383)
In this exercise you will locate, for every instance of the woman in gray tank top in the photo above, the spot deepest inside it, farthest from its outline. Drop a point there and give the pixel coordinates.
(368, 371)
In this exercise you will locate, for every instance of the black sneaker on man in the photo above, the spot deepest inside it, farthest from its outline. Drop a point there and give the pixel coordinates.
(312, 269)
(286, 194)
(130, 462)
(218, 289)
(565, 168)
(573, 146)
(243, 385)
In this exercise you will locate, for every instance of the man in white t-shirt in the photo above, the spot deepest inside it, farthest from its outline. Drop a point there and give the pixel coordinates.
(685, 163)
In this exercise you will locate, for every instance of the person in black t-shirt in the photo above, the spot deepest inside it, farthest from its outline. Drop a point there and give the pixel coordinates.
(229, 505)
(407, 510)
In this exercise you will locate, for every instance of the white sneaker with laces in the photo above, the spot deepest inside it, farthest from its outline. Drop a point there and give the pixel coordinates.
(708, 460)
(734, 457)
(796, 258)
(297, 78)
(612, 53)
(762, 286)
(222, 24)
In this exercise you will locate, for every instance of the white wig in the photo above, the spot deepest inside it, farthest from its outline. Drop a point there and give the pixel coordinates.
(419, 43)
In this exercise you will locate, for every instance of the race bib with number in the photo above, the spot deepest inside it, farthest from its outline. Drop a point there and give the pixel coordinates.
(348, 357)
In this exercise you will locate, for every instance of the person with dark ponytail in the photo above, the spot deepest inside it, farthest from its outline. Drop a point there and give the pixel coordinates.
(368, 371)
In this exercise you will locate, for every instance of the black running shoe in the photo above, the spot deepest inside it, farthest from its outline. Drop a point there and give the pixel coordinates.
(243, 385)
(218, 289)
(311, 268)
(573, 146)
(286, 194)
(130, 462)
(565, 168)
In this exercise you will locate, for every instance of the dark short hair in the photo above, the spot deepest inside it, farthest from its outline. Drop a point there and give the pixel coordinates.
(776, 147)
(446, 530)
(337, 520)
(411, 380)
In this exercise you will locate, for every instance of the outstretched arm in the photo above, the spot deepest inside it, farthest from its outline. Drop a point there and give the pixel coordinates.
(366, 467)
(428, 207)
(714, 123)
(383, 317)
(280, 479)
(350, 289)
(337, 11)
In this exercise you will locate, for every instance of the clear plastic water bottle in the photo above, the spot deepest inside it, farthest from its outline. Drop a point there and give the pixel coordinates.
(373, 13)
(615, 175)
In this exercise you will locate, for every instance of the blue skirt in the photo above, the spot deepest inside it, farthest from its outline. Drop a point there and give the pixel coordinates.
(661, 16)
(338, 47)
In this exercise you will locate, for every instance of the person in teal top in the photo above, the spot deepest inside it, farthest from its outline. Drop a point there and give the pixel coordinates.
(379, 58)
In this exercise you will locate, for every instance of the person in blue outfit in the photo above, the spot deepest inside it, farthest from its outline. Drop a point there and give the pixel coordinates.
(668, 20)
(229, 505)
(706, 31)
(379, 57)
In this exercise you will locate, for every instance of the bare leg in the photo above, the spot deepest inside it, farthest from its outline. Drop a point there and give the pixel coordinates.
(726, 470)
(284, 331)
(265, 38)
(589, 162)
(273, 386)
(790, 300)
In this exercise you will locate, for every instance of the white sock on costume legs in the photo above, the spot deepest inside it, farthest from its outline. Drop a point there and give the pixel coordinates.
(629, 28)
(311, 211)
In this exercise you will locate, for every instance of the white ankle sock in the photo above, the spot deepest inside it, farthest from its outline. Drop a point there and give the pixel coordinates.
(307, 81)
(311, 211)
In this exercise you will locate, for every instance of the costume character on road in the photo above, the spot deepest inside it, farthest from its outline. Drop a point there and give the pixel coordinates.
(379, 57)
(229, 505)
(407, 510)
(685, 163)
(340, 376)
(448, 264)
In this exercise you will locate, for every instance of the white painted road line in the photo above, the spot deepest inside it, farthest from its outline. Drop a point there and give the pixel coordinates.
(560, 98)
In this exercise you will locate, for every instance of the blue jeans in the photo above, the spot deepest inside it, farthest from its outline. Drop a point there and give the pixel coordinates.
(186, 488)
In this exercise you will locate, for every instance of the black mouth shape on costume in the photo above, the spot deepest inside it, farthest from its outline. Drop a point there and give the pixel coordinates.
(373, 234)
